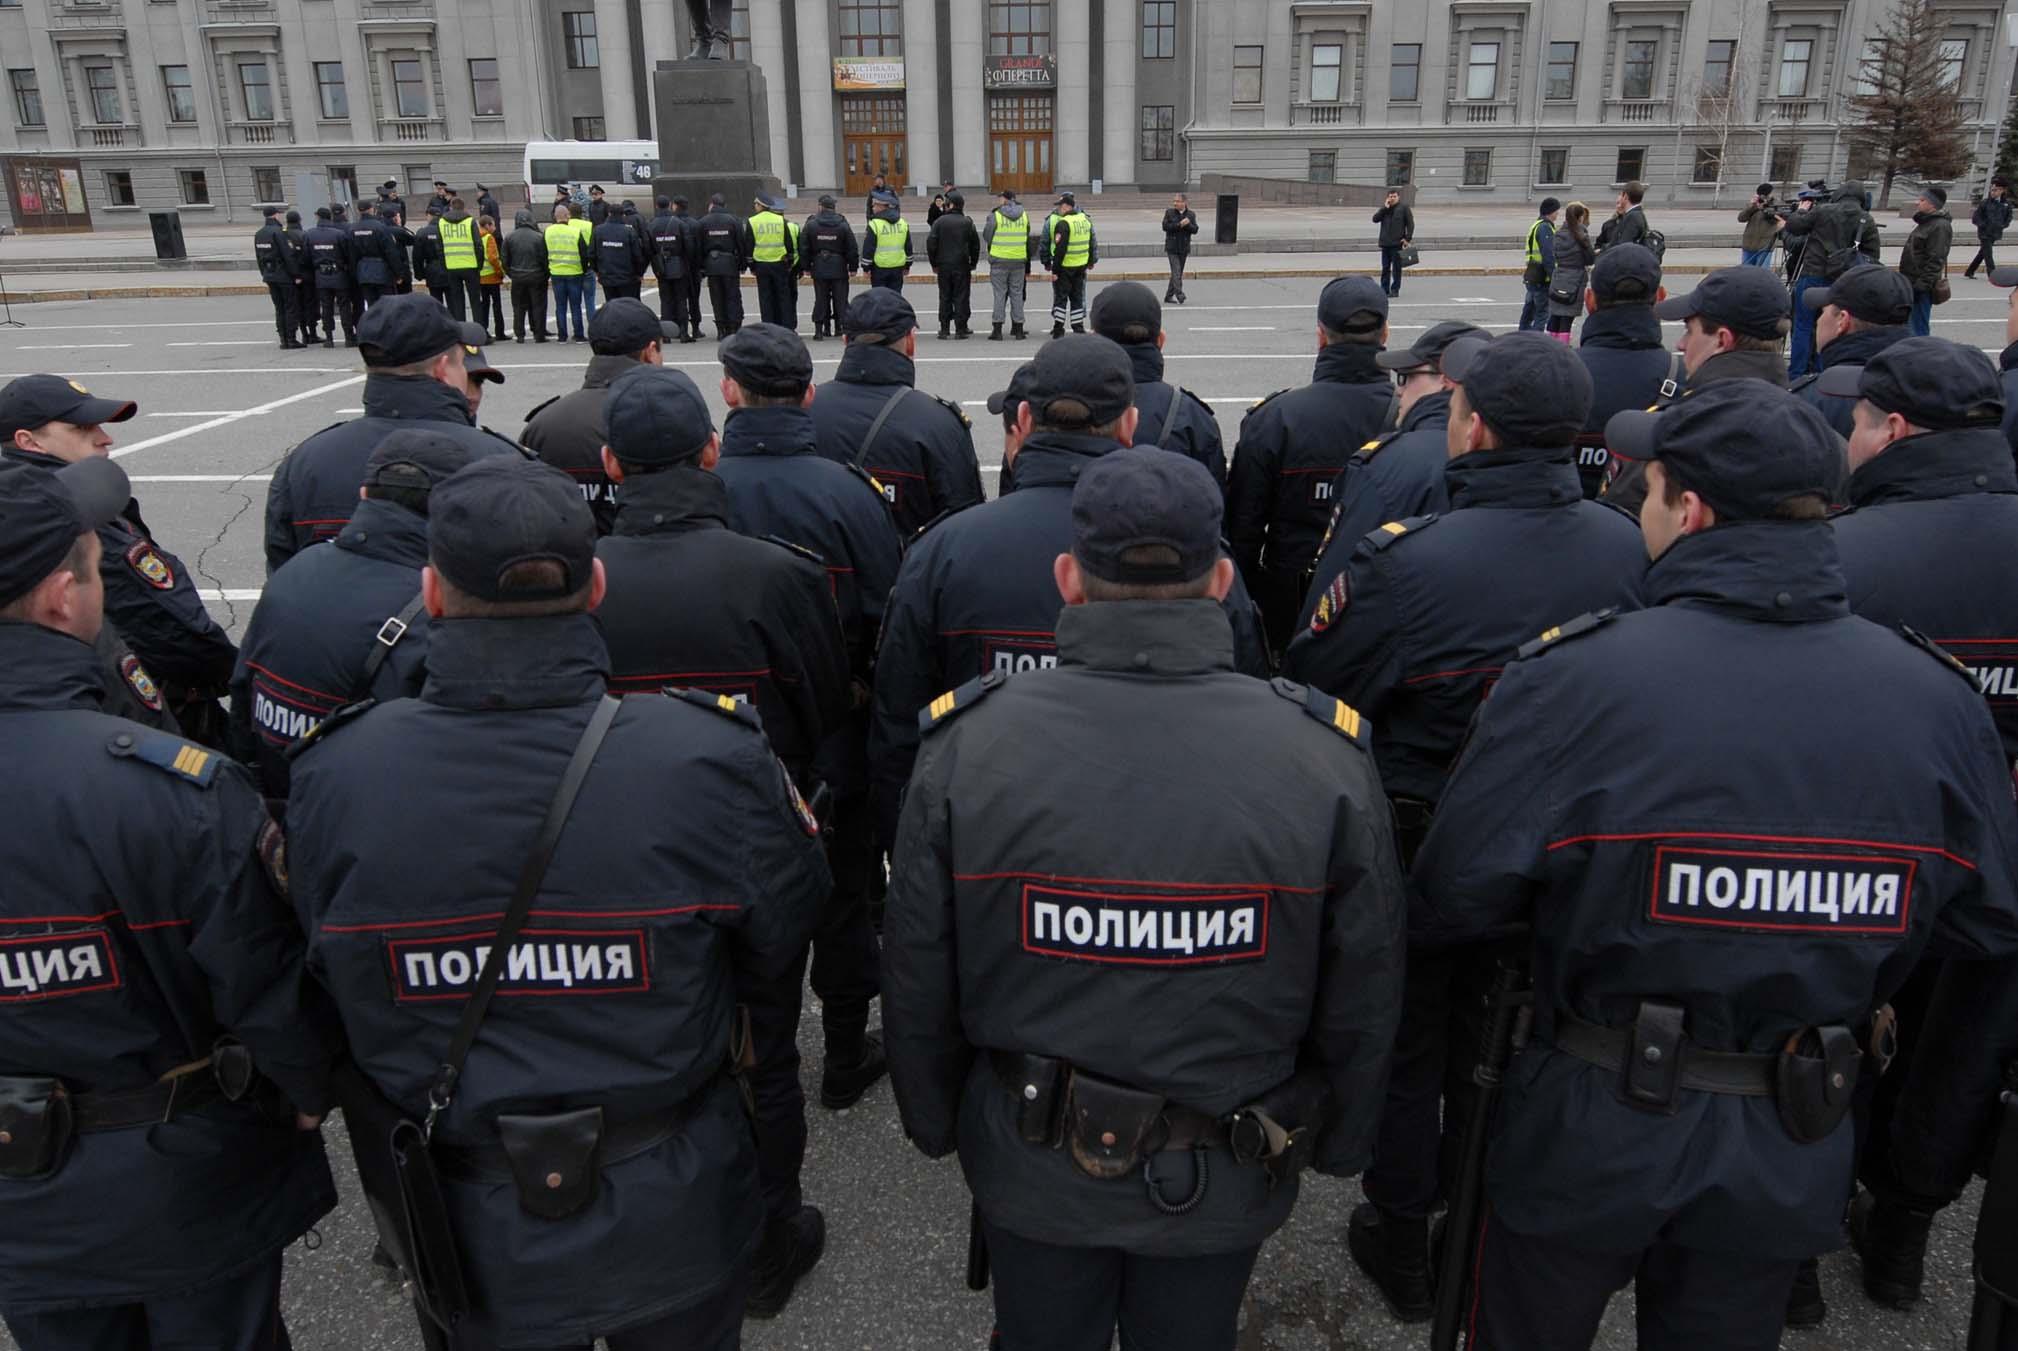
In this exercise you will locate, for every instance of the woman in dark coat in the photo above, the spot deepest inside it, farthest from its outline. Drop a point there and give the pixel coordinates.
(1574, 257)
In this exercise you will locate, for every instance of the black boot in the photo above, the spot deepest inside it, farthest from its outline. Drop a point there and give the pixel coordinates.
(945, 332)
(1805, 1306)
(843, 1083)
(961, 333)
(1079, 328)
(995, 333)
(1892, 1242)
(790, 1249)
(1394, 1253)
(329, 340)
(1058, 328)
(1017, 333)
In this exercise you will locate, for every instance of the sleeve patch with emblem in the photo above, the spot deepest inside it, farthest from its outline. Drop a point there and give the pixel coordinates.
(153, 569)
(1331, 604)
(273, 856)
(142, 684)
(807, 821)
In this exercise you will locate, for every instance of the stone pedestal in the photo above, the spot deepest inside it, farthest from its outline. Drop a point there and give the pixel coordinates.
(714, 133)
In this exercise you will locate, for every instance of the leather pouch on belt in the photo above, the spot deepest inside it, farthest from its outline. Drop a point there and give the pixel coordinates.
(34, 1127)
(1040, 1083)
(1817, 1078)
(556, 1160)
(1106, 1124)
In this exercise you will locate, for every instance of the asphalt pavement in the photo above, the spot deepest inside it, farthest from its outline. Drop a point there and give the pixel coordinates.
(220, 404)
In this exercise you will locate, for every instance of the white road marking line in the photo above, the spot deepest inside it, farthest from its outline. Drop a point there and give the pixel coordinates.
(251, 593)
(166, 437)
(200, 478)
(215, 412)
(228, 342)
(1232, 328)
(71, 346)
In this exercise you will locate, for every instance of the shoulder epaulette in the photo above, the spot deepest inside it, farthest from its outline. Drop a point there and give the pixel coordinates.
(1378, 444)
(1939, 653)
(1384, 536)
(948, 512)
(955, 409)
(318, 432)
(349, 713)
(1336, 714)
(723, 704)
(941, 710)
(1256, 405)
(1200, 402)
(170, 754)
(799, 549)
(1573, 628)
(859, 472)
(539, 408)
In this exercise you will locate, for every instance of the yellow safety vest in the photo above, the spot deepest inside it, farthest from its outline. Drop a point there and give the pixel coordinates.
(458, 245)
(564, 250)
(1079, 244)
(1011, 241)
(1535, 243)
(767, 229)
(586, 229)
(891, 237)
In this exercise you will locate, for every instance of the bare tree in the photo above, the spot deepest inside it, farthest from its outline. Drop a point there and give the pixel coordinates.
(1716, 108)
(1906, 117)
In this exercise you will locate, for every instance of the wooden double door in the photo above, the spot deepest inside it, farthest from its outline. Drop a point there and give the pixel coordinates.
(1019, 142)
(872, 141)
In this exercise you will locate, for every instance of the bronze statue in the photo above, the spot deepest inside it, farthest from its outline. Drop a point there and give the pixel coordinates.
(710, 20)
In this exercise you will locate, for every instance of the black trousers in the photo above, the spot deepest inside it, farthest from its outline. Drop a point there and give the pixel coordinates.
(1983, 257)
(239, 1314)
(367, 296)
(304, 306)
(286, 309)
(725, 298)
(1420, 1145)
(715, 1324)
(492, 313)
(1050, 1298)
(777, 294)
(676, 295)
(830, 303)
(335, 309)
(846, 961)
(1390, 269)
(621, 290)
(693, 294)
(955, 298)
(890, 277)
(465, 295)
(1068, 296)
(529, 308)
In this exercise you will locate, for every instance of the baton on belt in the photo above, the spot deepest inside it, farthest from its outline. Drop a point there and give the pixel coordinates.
(977, 1250)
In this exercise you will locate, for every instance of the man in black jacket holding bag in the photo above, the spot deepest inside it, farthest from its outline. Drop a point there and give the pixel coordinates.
(1397, 229)
(1180, 223)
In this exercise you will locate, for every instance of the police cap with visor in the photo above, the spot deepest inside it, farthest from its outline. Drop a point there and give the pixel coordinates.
(43, 513)
(500, 512)
(1743, 446)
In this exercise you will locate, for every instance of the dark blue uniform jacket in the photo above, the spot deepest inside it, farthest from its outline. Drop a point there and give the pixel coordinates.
(923, 459)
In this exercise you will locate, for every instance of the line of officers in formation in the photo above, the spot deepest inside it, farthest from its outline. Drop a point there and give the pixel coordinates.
(1695, 696)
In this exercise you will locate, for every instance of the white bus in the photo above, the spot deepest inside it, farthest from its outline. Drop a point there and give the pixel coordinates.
(622, 168)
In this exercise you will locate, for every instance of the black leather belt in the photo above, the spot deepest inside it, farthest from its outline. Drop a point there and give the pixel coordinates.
(1187, 1127)
(1743, 1074)
(620, 1140)
(156, 1103)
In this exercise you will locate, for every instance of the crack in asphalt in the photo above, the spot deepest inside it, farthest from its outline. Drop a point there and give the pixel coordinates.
(236, 486)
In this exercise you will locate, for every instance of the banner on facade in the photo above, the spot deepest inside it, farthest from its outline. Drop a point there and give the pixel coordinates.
(867, 74)
(1020, 72)
(45, 193)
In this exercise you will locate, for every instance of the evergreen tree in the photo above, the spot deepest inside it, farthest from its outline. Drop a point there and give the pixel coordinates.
(1909, 119)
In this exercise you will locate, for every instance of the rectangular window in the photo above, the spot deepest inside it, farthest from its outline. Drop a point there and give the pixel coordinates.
(1562, 77)
(739, 31)
(1327, 60)
(103, 84)
(1870, 73)
(266, 183)
(195, 187)
(181, 94)
(255, 86)
(1404, 75)
(486, 91)
(1636, 72)
(330, 94)
(409, 87)
(1555, 165)
(1709, 165)
(10, 4)
(342, 182)
(1247, 74)
(118, 187)
(1632, 163)
(1159, 29)
(27, 97)
(1786, 162)
(1478, 168)
(1400, 168)
(419, 181)
(589, 129)
(1954, 56)
(1717, 66)
(1323, 166)
(1481, 72)
(1159, 135)
(578, 32)
(1795, 57)
(872, 28)
(1019, 27)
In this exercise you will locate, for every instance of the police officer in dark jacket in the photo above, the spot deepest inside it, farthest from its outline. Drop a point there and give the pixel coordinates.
(975, 596)
(1029, 932)
(1168, 415)
(430, 263)
(408, 824)
(567, 430)
(1706, 937)
(413, 361)
(391, 206)
(828, 245)
(620, 257)
(2007, 360)
(338, 625)
(329, 258)
(724, 249)
(1621, 347)
(672, 247)
(1858, 315)
(279, 268)
(953, 249)
(374, 256)
(1293, 444)
(155, 1004)
(922, 454)
(304, 278)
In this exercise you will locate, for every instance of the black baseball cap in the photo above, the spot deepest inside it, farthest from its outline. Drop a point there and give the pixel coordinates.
(879, 312)
(1010, 400)
(30, 401)
(474, 362)
(1426, 352)
(1145, 516)
(1081, 380)
(1529, 388)
(1930, 382)
(1627, 272)
(400, 330)
(1874, 294)
(1352, 305)
(1743, 446)
(768, 360)
(414, 457)
(656, 415)
(625, 326)
(1128, 312)
(44, 511)
(500, 511)
(1748, 300)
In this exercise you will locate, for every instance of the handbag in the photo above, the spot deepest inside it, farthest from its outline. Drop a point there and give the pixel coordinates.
(1407, 255)
(1943, 293)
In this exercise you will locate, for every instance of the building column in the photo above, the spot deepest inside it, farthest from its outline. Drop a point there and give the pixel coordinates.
(662, 38)
(1120, 44)
(969, 48)
(816, 97)
(1072, 39)
(613, 47)
(921, 92)
(767, 50)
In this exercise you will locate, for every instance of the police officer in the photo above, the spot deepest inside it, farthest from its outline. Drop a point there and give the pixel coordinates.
(888, 258)
(391, 206)
(1704, 937)
(415, 371)
(150, 595)
(1167, 414)
(430, 264)
(303, 276)
(672, 247)
(1622, 347)
(156, 1004)
(724, 244)
(621, 257)
(438, 203)
(279, 268)
(1025, 1041)
(1858, 315)
(831, 256)
(918, 447)
(1409, 636)
(1007, 239)
(2007, 360)
(975, 596)
(462, 260)
(343, 624)
(476, 368)
(406, 827)
(1293, 444)
(774, 261)
(953, 251)
(1069, 251)
(329, 258)
(567, 431)
(373, 256)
